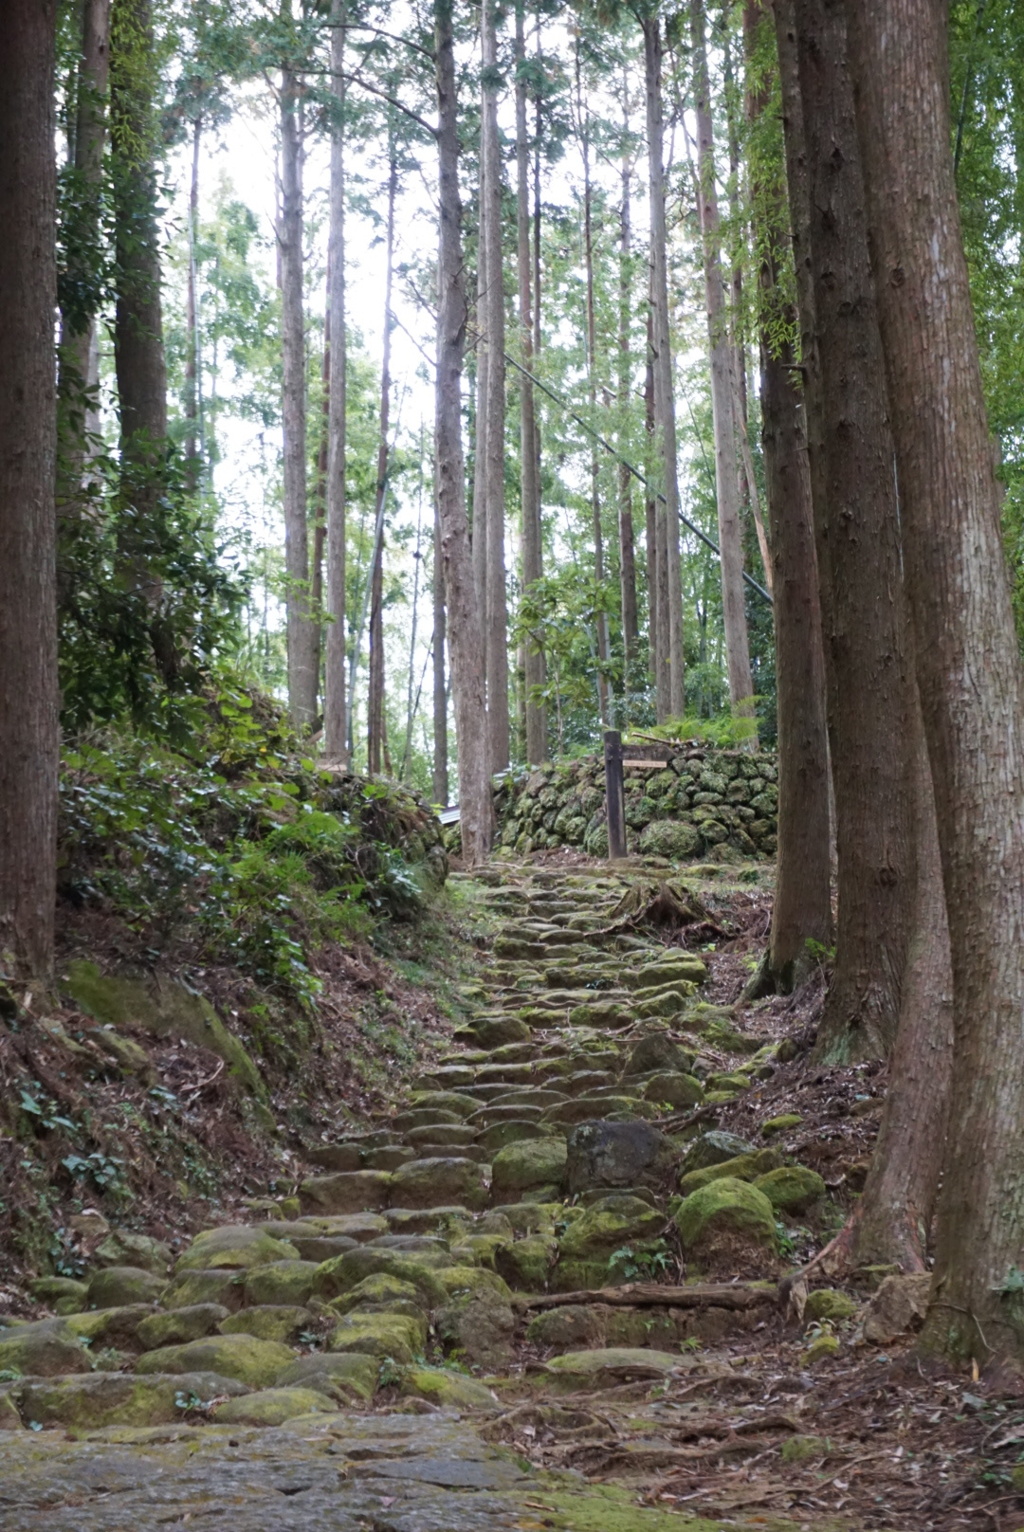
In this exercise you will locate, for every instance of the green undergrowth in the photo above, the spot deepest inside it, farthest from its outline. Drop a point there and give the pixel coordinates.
(240, 846)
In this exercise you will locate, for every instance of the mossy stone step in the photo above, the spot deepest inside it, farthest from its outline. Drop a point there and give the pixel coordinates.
(513, 1131)
(451, 1133)
(472, 1151)
(346, 1192)
(420, 1117)
(388, 1158)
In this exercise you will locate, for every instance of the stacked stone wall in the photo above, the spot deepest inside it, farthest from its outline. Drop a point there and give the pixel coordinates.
(703, 802)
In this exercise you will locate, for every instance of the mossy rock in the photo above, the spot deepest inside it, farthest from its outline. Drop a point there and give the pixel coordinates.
(269, 1321)
(348, 1191)
(381, 1291)
(398, 1336)
(792, 1189)
(682, 967)
(236, 1247)
(190, 1288)
(447, 1390)
(714, 1147)
(658, 1052)
(176, 1327)
(54, 1290)
(583, 1371)
(433, 1182)
(118, 1286)
(828, 1303)
(782, 1124)
(340, 1276)
(742, 1167)
(526, 1264)
(273, 1406)
(118, 1327)
(822, 1348)
(123, 1248)
(729, 1226)
(90, 1401)
(165, 1009)
(347, 1376)
(42, 1349)
(574, 1326)
(478, 1327)
(253, 1362)
(666, 1003)
(670, 838)
(463, 1281)
(678, 1091)
(281, 1283)
(615, 1220)
(528, 1163)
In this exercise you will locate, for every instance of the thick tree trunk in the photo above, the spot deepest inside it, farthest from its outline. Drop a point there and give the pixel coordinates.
(802, 907)
(728, 461)
(79, 295)
(857, 531)
(465, 629)
(657, 577)
(28, 440)
(972, 689)
(191, 391)
(597, 531)
(301, 635)
(335, 723)
(316, 578)
(440, 765)
(627, 554)
(375, 682)
(494, 443)
(664, 397)
(534, 668)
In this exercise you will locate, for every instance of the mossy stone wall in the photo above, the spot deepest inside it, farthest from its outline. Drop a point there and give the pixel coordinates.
(704, 802)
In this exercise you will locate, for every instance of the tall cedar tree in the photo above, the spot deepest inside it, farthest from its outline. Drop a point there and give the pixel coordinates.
(335, 723)
(972, 687)
(28, 435)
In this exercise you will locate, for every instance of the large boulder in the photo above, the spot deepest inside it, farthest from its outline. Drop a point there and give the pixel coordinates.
(189, 1288)
(282, 1322)
(526, 1263)
(235, 1246)
(712, 1148)
(401, 1337)
(618, 1154)
(118, 1286)
(122, 1248)
(439, 1181)
(273, 1406)
(119, 1328)
(527, 1165)
(792, 1189)
(347, 1192)
(348, 1376)
(253, 1362)
(282, 1282)
(587, 1249)
(729, 1227)
(658, 1052)
(478, 1327)
(42, 1349)
(89, 1401)
(449, 1390)
(340, 1276)
(176, 1327)
(742, 1167)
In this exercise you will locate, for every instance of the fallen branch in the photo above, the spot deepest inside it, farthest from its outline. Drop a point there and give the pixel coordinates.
(718, 1295)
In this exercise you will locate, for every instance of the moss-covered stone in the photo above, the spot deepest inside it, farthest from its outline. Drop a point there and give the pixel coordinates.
(334, 1278)
(253, 1362)
(574, 1326)
(477, 1326)
(712, 1148)
(530, 1163)
(269, 1321)
(99, 1328)
(398, 1336)
(42, 1349)
(282, 1283)
(341, 1375)
(346, 1192)
(443, 1101)
(437, 1181)
(190, 1288)
(526, 1264)
(792, 1188)
(728, 1226)
(578, 1371)
(675, 1090)
(781, 1124)
(176, 1327)
(459, 1281)
(671, 839)
(165, 1009)
(828, 1303)
(234, 1247)
(54, 1290)
(273, 1406)
(822, 1348)
(477, 1249)
(123, 1248)
(381, 1291)
(447, 1390)
(90, 1401)
(742, 1167)
(119, 1286)
(658, 1052)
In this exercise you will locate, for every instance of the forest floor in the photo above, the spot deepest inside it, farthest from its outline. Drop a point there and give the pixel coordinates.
(450, 1309)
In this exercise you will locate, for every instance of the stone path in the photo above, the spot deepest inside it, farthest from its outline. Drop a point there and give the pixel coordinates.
(337, 1362)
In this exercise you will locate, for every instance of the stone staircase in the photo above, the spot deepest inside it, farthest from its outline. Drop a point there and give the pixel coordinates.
(491, 1221)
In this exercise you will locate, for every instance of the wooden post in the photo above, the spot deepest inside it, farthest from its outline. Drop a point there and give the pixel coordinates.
(615, 797)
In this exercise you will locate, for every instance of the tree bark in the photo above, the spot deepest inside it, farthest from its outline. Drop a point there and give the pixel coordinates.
(28, 444)
(857, 533)
(496, 615)
(664, 398)
(440, 764)
(802, 906)
(79, 295)
(534, 668)
(972, 689)
(728, 462)
(657, 575)
(375, 681)
(464, 619)
(191, 400)
(335, 721)
(301, 636)
(627, 554)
